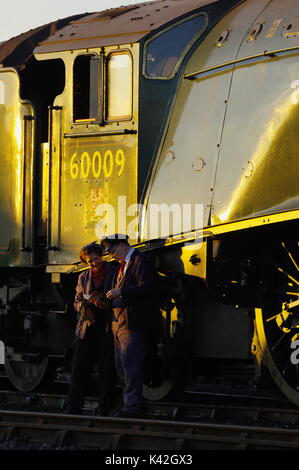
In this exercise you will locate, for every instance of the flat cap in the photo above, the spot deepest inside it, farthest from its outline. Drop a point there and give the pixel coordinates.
(111, 240)
(115, 238)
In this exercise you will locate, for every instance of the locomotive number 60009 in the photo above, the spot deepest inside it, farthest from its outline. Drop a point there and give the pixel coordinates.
(97, 164)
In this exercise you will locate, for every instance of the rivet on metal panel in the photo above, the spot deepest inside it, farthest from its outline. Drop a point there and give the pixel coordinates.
(169, 157)
(222, 38)
(198, 165)
(254, 32)
(288, 27)
(291, 29)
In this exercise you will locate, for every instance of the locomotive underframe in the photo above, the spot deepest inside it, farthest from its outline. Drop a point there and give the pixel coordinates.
(204, 318)
(236, 294)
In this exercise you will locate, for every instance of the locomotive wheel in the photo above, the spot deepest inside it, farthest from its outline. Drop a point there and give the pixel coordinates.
(25, 375)
(163, 379)
(277, 323)
(277, 358)
(163, 370)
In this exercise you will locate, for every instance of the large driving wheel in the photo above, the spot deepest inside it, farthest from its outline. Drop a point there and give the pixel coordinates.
(277, 322)
(26, 375)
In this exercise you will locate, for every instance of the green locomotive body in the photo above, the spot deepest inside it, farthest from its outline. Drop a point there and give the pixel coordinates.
(175, 121)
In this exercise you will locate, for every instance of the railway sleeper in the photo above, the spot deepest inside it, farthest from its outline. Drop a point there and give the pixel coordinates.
(63, 438)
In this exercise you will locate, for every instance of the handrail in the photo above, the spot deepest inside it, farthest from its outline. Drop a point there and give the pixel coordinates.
(23, 246)
(49, 225)
(269, 54)
(70, 135)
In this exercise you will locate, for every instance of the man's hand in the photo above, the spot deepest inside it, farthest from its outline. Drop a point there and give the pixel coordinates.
(113, 294)
(96, 299)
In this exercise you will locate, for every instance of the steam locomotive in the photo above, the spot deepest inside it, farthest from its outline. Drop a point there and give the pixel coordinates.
(172, 105)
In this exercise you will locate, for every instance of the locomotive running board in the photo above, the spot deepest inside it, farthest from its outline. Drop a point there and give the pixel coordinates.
(186, 238)
(216, 230)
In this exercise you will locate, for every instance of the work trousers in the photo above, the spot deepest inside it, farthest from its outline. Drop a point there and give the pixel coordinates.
(129, 352)
(95, 348)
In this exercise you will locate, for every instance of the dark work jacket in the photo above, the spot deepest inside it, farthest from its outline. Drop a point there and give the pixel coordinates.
(139, 293)
(85, 284)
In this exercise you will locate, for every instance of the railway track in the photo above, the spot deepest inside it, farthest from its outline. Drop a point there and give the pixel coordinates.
(166, 426)
(100, 433)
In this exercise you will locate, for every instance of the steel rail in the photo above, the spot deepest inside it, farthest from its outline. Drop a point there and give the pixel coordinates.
(191, 408)
(108, 432)
(162, 409)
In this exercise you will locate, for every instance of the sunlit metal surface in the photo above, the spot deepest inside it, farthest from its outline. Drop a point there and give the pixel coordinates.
(16, 214)
(195, 126)
(130, 25)
(246, 116)
(259, 133)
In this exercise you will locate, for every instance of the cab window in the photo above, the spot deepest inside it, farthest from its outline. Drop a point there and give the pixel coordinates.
(119, 86)
(164, 53)
(85, 88)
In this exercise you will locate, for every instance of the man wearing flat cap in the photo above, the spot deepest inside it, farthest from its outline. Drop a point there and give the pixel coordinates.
(136, 315)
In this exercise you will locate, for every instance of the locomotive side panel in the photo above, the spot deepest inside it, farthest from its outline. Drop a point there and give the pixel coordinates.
(16, 156)
(259, 157)
(187, 161)
(93, 149)
(5, 163)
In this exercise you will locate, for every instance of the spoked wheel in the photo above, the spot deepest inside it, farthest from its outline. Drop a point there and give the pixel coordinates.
(277, 322)
(26, 375)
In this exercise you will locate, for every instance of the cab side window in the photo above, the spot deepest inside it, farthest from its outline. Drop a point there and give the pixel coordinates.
(85, 90)
(103, 88)
(119, 86)
(165, 52)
